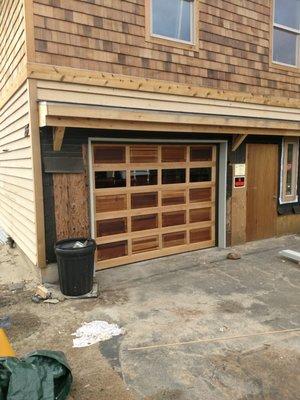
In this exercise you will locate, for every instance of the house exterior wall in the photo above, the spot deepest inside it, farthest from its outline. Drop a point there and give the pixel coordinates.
(17, 200)
(12, 43)
(94, 53)
(233, 52)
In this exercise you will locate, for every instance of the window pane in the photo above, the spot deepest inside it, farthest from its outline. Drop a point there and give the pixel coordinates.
(172, 18)
(110, 179)
(173, 176)
(284, 46)
(287, 12)
(289, 170)
(144, 177)
(200, 174)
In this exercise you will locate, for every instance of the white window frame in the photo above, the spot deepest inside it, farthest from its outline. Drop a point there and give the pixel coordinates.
(293, 198)
(286, 29)
(192, 26)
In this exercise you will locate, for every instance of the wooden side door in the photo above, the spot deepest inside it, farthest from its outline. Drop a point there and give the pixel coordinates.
(262, 189)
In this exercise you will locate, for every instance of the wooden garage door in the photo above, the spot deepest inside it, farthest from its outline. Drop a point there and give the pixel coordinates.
(152, 200)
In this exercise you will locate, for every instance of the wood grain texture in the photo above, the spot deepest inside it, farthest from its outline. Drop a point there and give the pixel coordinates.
(262, 191)
(71, 205)
(239, 215)
(12, 41)
(163, 216)
(233, 39)
(288, 224)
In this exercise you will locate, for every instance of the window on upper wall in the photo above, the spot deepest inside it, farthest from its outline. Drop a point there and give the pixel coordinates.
(173, 20)
(286, 32)
(289, 171)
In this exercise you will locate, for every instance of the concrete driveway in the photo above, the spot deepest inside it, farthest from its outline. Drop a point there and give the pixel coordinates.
(190, 297)
(199, 296)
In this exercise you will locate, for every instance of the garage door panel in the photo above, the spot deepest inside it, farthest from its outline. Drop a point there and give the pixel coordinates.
(174, 239)
(111, 203)
(140, 245)
(200, 214)
(152, 200)
(144, 200)
(201, 153)
(174, 218)
(173, 153)
(111, 227)
(200, 194)
(113, 250)
(108, 154)
(143, 154)
(144, 222)
(173, 197)
(200, 235)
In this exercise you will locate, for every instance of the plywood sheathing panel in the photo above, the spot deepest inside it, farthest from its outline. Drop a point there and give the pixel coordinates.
(71, 204)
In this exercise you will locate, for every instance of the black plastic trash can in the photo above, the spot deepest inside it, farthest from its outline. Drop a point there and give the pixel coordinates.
(75, 266)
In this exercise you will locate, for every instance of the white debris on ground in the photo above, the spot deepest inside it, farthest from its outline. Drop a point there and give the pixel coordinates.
(94, 332)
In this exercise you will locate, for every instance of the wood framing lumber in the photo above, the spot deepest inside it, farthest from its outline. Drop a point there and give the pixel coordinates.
(58, 137)
(237, 141)
(96, 78)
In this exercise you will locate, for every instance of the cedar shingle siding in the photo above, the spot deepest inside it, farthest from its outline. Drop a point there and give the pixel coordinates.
(109, 35)
(12, 43)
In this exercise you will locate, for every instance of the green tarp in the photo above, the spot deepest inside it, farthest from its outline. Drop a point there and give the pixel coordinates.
(42, 375)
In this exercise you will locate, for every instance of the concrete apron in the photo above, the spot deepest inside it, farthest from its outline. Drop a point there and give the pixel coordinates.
(202, 295)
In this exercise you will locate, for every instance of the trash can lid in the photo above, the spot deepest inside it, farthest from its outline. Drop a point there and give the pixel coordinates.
(68, 244)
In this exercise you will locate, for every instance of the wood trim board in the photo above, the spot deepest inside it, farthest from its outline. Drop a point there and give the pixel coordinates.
(89, 77)
(37, 173)
(68, 114)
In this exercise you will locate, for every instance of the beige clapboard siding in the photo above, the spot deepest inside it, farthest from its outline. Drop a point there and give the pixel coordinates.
(12, 40)
(17, 210)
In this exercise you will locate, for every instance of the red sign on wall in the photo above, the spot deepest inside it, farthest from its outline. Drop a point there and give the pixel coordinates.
(239, 181)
